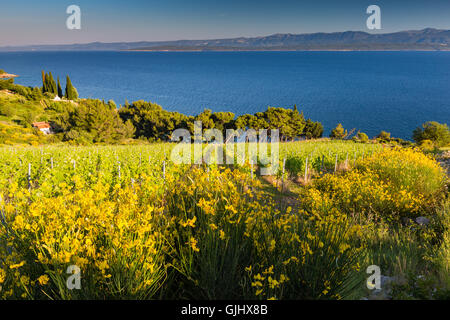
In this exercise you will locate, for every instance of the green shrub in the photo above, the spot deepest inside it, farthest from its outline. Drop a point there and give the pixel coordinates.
(384, 136)
(397, 250)
(6, 84)
(7, 110)
(339, 132)
(361, 137)
(436, 132)
(294, 166)
(426, 145)
(443, 255)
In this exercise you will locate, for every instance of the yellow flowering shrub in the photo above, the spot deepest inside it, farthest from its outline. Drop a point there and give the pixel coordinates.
(229, 240)
(408, 170)
(207, 215)
(392, 184)
(112, 237)
(306, 256)
(209, 234)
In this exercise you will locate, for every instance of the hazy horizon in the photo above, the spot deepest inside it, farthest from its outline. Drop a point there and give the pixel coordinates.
(207, 39)
(43, 23)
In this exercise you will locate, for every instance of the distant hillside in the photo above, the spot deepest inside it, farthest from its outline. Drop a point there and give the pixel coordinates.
(427, 39)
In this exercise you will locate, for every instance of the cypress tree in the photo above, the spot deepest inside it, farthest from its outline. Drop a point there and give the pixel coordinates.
(53, 88)
(49, 82)
(44, 82)
(71, 92)
(68, 91)
(60, 93)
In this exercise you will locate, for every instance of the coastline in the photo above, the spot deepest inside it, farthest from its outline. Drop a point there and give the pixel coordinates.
(284, 50)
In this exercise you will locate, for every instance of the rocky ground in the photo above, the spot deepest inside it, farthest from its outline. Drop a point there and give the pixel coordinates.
(386, 282)
(444, 160)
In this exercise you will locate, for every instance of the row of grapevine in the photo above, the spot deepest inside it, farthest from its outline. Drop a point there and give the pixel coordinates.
(32, 167)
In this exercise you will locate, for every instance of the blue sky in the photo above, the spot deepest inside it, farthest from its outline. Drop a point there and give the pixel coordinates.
(43, 22)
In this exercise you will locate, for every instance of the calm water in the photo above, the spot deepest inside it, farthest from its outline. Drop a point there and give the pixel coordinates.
(369, 91)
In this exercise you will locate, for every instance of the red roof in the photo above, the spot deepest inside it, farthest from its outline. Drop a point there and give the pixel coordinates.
(41, 125)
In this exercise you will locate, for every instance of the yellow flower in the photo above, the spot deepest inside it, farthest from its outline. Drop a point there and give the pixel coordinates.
(272, 282)
(15, 266)
(272, 245)
(213, 226)
(343, 247)
(43, 279)
(2, 276)
(259, 277)
(206, 206)
(19, 222)
(189, 222)
(230, 208)
(193, 244)
(268, 270)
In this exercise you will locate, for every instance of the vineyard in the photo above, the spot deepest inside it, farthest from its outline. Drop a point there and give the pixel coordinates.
(138, 226)
(34, 166)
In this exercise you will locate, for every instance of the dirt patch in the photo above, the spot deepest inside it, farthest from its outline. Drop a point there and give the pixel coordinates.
(6, 91)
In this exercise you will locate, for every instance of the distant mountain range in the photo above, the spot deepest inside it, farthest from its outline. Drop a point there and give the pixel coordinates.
(426, 39)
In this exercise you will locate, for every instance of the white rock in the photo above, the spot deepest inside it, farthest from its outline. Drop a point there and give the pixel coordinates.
(422, 221)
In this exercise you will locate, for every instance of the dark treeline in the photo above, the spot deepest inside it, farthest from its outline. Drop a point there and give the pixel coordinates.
(87, 121)
(152, 122)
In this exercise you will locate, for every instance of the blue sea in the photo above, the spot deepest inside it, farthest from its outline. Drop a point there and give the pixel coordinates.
(368, 91)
